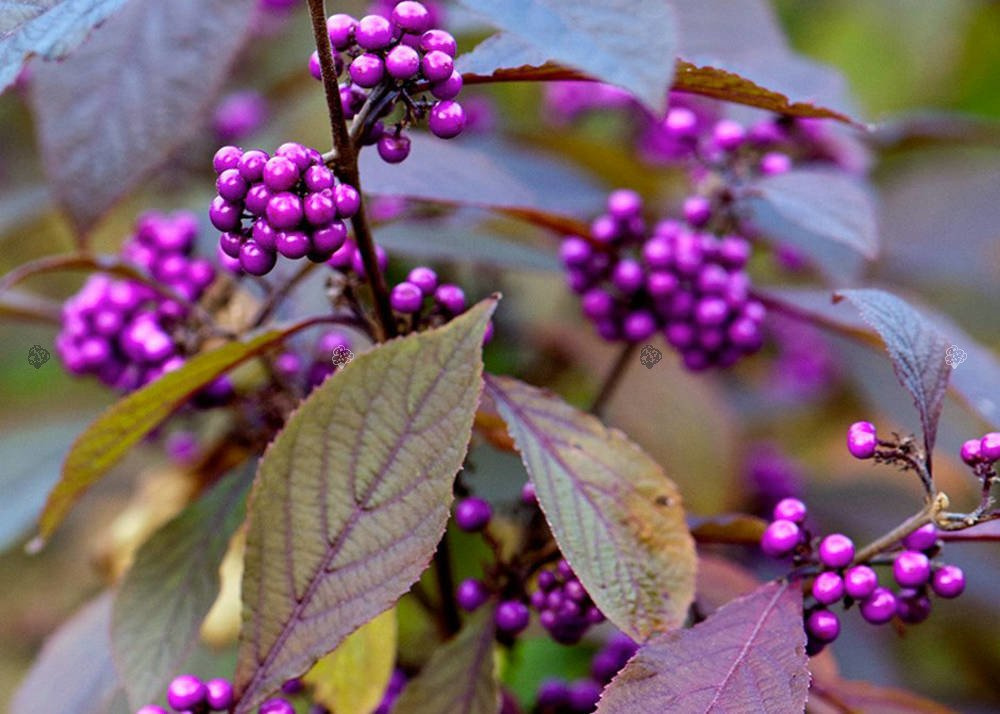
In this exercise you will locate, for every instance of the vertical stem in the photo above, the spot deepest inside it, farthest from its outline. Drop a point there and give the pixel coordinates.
(446, 586)
(612, 378)
(345, 164)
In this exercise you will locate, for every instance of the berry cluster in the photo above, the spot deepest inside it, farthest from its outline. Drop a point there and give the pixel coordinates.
(984, 451)
(580, 697)
(839, 578)
(122, 331)
(563, 605)
(394, 59)
(681, 280)
(289, 204)
(188, 694)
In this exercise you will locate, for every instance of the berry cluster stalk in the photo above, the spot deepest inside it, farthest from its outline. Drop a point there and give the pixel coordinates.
(345, 164)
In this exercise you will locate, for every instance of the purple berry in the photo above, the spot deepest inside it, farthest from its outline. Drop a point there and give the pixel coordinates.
(295, 152)
(823, 625)
(448, 88)
(728, 134)
(341, 28)
(256, 199)
(912, 607)
(774, 163)
(528, 495)
(276, 706)
(860, 581)
(280, 174)
(911, 568)
(367, 70)
(228, 157)
(424, 278)
(319, 209)
(373, 32)
(734, 252)
(879, 607)
(151, 709)
(402, 62)
(231, 185)
(583, 695)
(264, 235)
(348, 200)
(512, 616)
(437, 66)
(989, 447)
(948, 581)
(836, 551)
(471, 593)
(317, 178)
(862, 440)
(293, 244)
(224, 215)
(639, 325)
(697, 210)
(553, 694)
(780, 538)
(412, 17)
(451, 298)
(406, 298)
(790, 509)
(627, 276)
(438, 40)
(447, 119)
(284, 210)
(972, 451)
(575, 251)
(681, 122)
(329, 239)
(828, 588)
(255, 260)
(393, 149)
(624, 204)
(923, 538)
(186, 692)
(220, 694)
(472, 514)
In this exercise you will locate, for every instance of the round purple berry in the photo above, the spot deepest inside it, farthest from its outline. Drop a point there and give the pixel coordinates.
(224, 215)
(330, 238)
(862, 440)
(728, 134)
(836, 551)
(373, 32)
(406, 298)
(319, 208)
(860, 581)
(293, 244)
(575, 252)
(276, 706)
(341, 28)
(989, 447)
(424, 278)
(512, 616)
(317, 178)
(912, 606)
(447, 119)
(219, 694)
(437, 66)
(923, 538)
(911, 568)
(451, 298)
(255, 260)
(583, 695)
(231, 185)
(367, 70)
(697, 210)
(627, 276)
(151, 709)
(256, 199)
(471, 593)
(823, 625)
(348, 200)
(227, 157)
(393, 149)
(412, 17)
(828, 588)
(774, 163)
(438, 40)
(284, 210)
(972, 451)
(790, 509)
(948, 581)
(780, 538)
(639, 325)
(448, 88)
(186, 692)
(879, 607)
(529, 496)
(472, 514)
(280, 174)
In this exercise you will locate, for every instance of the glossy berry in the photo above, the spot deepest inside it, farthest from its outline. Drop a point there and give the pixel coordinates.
(276, 706)
(780, 538)
(448, 88)
(911, 568)
(879, 607)
(823, 625)
(697, 210)
(447, 119)
(402, 62)
(186, 692)
(971, 452)
(529, 496)
(989, 447)
(367, 70)
(227, 157)
(862, 440)
(438, 40)
(472, 514)
(828, 588)
(774, 163)
(348, 200)
(424, 278)
(512, 616)
(151, 709)
(924, 538)
(255, 260)
(393, 149)
(790, 509)
(451, 298)
(948, 581)
(470, 594)
(411, 17)
(341, 29)
(406, 298)
(836, 551)
(219, 694)
(912, 606)
(373, 32)
(860, 581)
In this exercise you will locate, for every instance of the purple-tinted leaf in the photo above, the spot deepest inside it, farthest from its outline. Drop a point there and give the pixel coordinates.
(460, 677)
(809, 209)
(170, 587)
(831, 698)
(134, 93)
(352, 497)
(628, 43)
(721, 580)
(49, 28)
(917, 349)
(749, 656)
(617, 518)
(126, 422)
(74, 673)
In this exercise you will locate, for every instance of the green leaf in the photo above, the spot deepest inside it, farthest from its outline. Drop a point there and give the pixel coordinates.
(170, 587)
(628, 43)
(126, 422)
(616, 516)
(749, 656)
(354, 677)
(460, 677)
(352, 498)
(917, 349)
(74, 673)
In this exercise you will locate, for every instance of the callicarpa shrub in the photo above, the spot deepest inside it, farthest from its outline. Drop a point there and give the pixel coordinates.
(347, 332)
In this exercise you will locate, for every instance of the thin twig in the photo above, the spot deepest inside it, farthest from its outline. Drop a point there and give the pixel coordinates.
(280, 293)
(612, 378)
(928, 514)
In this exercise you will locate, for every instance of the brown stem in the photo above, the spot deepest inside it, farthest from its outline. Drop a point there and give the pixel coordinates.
(927, 514)
(345, 164)
(612, 378)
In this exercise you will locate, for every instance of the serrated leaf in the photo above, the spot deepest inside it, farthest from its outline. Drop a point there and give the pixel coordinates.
(74, 673)
(617, 518)
(810, 209)
(170, 587)
(628, 43)
(353, 678)
(48, 28)
(917, 349)
(870, 699)
(460, 677)
(127, 421)
(138, 90)
(352, 498)
(749, 656)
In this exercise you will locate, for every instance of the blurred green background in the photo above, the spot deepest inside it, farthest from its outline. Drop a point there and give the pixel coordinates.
(942, 226)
